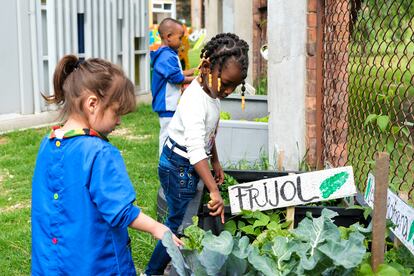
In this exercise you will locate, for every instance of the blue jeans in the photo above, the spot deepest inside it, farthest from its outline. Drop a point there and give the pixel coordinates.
(179, 181)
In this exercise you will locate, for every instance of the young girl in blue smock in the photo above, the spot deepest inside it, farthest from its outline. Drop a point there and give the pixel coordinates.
(82, 197)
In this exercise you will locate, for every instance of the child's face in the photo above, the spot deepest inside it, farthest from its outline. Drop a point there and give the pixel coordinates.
(231, 77)
(174, 36)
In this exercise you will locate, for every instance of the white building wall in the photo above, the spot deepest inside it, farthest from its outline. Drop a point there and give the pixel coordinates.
(39, 34)
(286, 80)
(235, 16)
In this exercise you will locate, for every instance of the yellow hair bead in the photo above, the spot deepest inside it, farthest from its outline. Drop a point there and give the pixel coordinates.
(210, 80)
(218, 84)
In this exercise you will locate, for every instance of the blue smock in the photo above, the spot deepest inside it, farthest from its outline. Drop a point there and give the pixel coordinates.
(82, 204)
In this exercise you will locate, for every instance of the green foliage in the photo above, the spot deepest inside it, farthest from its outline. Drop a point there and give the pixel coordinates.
(382, 121)
(262, 119)
(261, 84)
(225, 115)
(193, 236)
(258, 226)
(316, 247)
(262, 164)
(223, 188)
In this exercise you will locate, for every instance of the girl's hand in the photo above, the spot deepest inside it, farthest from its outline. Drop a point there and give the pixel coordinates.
(160, 231)
(218, 172)
(216, 205)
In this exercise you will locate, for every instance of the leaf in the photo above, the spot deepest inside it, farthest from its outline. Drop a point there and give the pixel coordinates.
(333, 183)
(193, 262)
(406, 131)
(262, 263)
(235, 266)
(346, 253)
(314, 232)
(194, 236)
(283, 250)
(177, 258)
(223, 243)
(248, 230)
(365, 270)
(215, 251)
(383, 121)
(370, 118)
(395, 130)
(241, 248)
(386, 270)
(273, 226)
(390, 146)
(309, 262)
(262, 221)
(230, 226)
(212, 261)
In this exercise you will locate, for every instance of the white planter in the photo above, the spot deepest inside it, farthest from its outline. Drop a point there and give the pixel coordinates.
(241, 140)
(255, 107)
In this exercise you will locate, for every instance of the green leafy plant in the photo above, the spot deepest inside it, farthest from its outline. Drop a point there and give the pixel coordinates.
(225, 115)
(243, 164)
(262, 119)
(316, 247)
(382, 121)
(259, 227)
(223, 188)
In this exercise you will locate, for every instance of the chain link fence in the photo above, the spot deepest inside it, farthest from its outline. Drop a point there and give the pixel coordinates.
(368, 88)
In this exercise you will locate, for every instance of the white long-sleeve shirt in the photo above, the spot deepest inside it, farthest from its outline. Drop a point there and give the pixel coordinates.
(195, 122)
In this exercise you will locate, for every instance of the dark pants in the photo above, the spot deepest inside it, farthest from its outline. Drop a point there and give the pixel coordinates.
(179, 181)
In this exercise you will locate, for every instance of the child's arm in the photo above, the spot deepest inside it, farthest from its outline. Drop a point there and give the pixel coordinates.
(147, 224)
(189, 72)
(215, 163)
(188, 79)
(216, 204)
(171, 70)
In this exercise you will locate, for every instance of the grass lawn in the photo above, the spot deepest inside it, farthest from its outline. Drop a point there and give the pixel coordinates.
(137, 138)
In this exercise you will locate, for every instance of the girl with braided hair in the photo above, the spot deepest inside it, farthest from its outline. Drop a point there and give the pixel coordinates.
(191, 141)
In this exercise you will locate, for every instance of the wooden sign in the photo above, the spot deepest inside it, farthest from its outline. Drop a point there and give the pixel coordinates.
(292, 190)
(399, 212)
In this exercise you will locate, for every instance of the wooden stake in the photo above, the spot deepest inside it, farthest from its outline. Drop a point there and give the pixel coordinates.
(382, 167)
(280, 157)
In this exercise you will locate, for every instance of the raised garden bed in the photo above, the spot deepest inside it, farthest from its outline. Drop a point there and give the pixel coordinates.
(260, 243)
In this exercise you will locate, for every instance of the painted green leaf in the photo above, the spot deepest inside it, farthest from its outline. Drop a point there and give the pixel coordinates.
(368, 189)
(411, 233)
(333, 183)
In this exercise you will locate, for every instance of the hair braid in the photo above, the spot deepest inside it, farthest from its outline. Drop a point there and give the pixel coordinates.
(223, 47)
